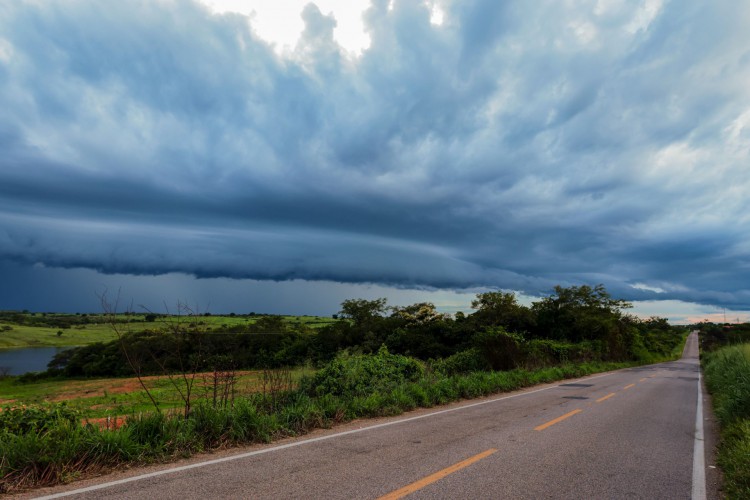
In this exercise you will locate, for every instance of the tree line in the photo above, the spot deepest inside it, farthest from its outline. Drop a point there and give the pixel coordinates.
(577, 323)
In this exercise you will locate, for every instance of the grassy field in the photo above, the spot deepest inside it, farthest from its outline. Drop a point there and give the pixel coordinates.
(229, 321)
(35, 336)
(14, 335)
(96, 398)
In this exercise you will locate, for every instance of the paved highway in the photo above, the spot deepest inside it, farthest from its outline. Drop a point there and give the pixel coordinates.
(624, 434)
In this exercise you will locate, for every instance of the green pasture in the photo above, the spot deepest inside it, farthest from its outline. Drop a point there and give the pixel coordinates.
(238, 320)
(91, 328)
(12, 335)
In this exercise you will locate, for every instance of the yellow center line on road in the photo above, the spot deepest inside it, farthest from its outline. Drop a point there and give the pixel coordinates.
(628, 387)
(418, 485)
(558, 419)
(605, 397)
(641, 380)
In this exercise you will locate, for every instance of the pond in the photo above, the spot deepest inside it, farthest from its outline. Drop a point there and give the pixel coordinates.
(27, 359)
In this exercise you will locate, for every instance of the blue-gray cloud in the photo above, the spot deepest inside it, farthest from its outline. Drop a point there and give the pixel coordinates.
(517, 145)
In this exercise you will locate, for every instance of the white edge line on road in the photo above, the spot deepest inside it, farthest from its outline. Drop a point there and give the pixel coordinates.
(699, 461)
(298, 443)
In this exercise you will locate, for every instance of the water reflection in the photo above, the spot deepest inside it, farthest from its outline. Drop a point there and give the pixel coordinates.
(27, 359)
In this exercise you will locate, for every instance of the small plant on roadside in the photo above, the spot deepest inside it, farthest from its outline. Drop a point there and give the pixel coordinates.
(35, 419)
(276, 384)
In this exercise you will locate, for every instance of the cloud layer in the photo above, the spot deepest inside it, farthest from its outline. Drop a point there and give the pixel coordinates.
(517, 145)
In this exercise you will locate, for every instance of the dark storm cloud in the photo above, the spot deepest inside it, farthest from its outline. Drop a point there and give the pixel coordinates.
(517, 145)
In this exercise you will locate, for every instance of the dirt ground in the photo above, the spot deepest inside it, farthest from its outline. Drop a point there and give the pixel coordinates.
(246, 381)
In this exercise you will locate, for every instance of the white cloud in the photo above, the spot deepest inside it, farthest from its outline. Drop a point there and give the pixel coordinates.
(280, 21)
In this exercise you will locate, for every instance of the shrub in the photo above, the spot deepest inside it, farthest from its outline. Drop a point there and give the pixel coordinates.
(501, 349)
(363, 374)
(470, 360)
(35, 419)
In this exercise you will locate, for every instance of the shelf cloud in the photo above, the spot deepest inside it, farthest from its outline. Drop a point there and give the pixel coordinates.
(515, 145)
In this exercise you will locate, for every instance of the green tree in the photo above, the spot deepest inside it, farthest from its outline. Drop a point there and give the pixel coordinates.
(363, 311)
(418, 314)
(501, 309)
(579, 313)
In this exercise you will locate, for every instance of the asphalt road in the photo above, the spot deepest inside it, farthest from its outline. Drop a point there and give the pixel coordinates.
(624, 434)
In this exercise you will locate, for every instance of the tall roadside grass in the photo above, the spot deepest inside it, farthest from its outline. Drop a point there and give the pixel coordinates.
(48, 445)
(727, 373)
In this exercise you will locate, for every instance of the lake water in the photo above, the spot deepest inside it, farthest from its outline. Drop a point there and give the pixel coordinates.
(27, 359)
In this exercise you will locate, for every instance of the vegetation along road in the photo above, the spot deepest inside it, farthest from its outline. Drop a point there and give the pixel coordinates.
(630, 433)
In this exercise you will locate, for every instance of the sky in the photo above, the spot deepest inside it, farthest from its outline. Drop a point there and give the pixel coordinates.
(285, 156)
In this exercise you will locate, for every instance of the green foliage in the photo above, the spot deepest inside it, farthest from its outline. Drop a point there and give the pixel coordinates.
(502, 309)
(62, 449)
(362, 311)
(728, 378)
(654, 340)
(160, 351)
(35, 419)
(19, 329)
(361, 375)
(469, 360)
(734, 459)
(727, 374)
(545, 352)
(250, 423)
(149, 429)
(417, 314)
(713, 336)
(500, 349)
(578, 313)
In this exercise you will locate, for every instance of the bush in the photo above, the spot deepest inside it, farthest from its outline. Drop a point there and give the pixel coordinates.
(501, 349)
(363, 374)
(470, 360)
(734, 459)
(546, 352)
(35, 419)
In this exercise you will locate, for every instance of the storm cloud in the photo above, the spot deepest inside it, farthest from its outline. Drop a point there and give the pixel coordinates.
(516, 145)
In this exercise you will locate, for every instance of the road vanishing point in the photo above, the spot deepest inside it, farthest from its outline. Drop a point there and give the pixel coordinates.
(632, 433)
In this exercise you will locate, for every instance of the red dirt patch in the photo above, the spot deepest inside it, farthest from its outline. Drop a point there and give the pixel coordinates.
(82, 389)
(105, 423)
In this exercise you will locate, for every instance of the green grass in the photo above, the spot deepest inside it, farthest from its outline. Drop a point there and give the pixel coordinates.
(33, 336)
(677, 350)
(18, 336)
(727, 373)
(96, 398)
(230, 321)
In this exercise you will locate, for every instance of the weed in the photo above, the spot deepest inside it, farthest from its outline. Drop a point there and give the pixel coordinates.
(727, 372)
